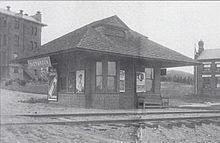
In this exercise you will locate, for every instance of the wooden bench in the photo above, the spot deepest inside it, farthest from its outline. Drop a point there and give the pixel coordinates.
(146, 100)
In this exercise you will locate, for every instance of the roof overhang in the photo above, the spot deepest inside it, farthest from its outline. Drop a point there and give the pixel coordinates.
(164, 63)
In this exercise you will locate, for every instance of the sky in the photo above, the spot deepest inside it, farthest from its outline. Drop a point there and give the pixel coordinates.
(176, 25)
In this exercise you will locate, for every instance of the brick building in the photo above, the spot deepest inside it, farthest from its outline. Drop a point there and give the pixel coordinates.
(207, 75)
(19, 34)
(107, 65)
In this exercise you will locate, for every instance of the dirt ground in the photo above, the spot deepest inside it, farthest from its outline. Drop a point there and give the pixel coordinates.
(13, 102)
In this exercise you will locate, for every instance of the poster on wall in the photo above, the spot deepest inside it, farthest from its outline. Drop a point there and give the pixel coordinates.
(140, 82)
(52, 89)
(122, 81)
(80, 81)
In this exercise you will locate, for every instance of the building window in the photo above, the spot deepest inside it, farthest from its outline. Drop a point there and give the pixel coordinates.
(206, 66)
(15, 69)
(218, 82)
(35, 45)
(206, 82)
(16, 41)
(111, 77)
(217, 65)
(16, 24)
(4, 40)
(122, 80)
(4, 22)
(35, 33)
(99, 77)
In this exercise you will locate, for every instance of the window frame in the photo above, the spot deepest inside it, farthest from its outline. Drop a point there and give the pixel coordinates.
(217, 81)
(217, 66)
(16, 24)
(99, 75)
(204, 82)
(112, 75)
(122, 79)
(149, 78)
(204, 68)
(16, 39)
(35, 31)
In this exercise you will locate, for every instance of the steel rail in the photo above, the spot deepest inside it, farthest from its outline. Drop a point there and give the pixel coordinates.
(127, 120)
(115, 114)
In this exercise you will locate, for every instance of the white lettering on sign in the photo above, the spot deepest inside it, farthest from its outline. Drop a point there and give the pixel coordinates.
(41, 62)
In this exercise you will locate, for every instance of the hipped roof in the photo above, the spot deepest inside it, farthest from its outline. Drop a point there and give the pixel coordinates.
(88, 38)
(209, 54)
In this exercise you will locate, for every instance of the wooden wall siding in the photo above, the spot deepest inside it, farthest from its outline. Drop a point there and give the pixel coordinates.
(105, 101)
(71, 99)
(157, 80)
(90, 99)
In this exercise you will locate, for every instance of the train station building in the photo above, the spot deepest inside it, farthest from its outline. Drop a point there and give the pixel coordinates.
(106, 65)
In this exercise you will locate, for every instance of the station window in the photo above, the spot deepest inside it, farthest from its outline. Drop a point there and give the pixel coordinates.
(99, 76)
(206, 82)
(111, 78)
(206, 66)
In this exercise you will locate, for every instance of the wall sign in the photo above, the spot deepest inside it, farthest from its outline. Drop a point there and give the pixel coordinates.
(38, 63)
(80, 81)
(140, 79)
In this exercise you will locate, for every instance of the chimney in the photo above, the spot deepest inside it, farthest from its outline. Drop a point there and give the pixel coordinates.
(8, 8)
(21, 12)
(37, 16)
(201, 46)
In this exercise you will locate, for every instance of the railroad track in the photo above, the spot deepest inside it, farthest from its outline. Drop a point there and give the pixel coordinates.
(153, 119)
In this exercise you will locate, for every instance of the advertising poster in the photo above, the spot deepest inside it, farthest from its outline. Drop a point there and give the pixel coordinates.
(52, 89)
(140, 79)
(80, 81)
